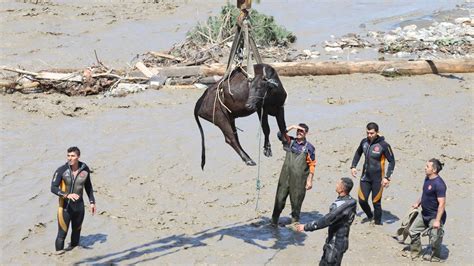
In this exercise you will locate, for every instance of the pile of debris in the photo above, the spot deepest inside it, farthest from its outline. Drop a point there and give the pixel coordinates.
(92, 80)
(445, 38)
(350, 40)
(440, 40)
(207, 43)
(210, 42)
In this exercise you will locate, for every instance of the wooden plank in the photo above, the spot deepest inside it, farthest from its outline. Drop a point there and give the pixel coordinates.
(144, 69)
(167, 56)
(59, 76)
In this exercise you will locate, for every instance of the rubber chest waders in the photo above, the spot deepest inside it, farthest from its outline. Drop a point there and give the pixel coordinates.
(292, 182)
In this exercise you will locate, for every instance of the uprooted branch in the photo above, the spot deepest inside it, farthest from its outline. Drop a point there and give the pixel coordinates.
(82, 82)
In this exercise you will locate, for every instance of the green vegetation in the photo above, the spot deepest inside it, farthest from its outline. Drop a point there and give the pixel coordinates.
(264, 29)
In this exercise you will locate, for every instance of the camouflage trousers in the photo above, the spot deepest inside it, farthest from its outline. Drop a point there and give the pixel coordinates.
(436, 236)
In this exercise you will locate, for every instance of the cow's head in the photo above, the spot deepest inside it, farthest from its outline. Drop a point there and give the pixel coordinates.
(266, 79)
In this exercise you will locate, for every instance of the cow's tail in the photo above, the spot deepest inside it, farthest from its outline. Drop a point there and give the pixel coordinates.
(196, 116)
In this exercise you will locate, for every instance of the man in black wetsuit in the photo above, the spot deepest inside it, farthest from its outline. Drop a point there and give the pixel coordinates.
(68, 183)
(339, 219)
(373, 179)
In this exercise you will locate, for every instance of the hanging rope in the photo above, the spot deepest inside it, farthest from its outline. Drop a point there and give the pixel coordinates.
(258, 186)
(218, 90)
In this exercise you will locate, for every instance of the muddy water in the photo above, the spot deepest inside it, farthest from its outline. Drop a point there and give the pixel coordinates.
(315, 21)
(66, 33)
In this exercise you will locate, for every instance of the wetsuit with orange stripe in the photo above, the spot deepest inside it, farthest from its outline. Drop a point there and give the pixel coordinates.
(376, 153)
(69, 211)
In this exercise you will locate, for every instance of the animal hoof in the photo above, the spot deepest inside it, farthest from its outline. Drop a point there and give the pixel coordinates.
(267, 152)
(250, 163)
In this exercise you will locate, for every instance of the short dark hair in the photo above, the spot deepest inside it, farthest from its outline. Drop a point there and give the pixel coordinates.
(75, 150)
(303, 125)
(373, 125)
(437, 165)
(348, 184)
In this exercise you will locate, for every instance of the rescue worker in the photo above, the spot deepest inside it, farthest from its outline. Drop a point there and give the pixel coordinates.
(296, 174)
(433, 213)
(374, 179)
(339, 219)
(68, 183)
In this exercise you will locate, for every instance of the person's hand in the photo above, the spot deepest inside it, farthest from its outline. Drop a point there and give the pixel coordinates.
(309, 182)
(415, 205)
(93, 208)
(73, 196)
(436, 224)
(300, 128)
(300, 228)
(290, 128)
(354, 172)
(385, 182)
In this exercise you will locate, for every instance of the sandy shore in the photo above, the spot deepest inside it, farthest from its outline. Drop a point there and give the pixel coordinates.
(157, 206)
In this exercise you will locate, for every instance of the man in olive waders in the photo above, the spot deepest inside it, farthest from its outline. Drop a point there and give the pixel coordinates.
(296, 174)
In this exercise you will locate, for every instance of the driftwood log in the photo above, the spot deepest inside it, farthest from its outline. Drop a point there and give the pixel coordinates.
(420, 67)
(86, 82)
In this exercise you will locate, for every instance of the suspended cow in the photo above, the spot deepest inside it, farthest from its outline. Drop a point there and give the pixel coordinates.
(264, 94)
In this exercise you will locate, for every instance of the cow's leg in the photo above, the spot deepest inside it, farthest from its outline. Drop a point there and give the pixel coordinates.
(280, 118)
(246, 158)
(263, 117)
(227, 126)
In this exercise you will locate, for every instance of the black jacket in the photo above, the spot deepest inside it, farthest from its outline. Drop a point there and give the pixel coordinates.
(375, 155)
(339, 219)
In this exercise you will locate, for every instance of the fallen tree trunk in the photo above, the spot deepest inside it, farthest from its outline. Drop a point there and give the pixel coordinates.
(336, 68)
(376, 67)
(87, 81)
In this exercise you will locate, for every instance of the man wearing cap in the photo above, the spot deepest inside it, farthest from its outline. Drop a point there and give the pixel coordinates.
(296, 174)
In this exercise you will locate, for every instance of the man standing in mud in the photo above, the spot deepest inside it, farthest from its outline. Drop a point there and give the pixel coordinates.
(374, 179)
(433, 214)
(68, 183)
(296, 173)
(339, 219)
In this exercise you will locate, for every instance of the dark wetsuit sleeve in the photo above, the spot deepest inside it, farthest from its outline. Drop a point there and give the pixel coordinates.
(89, 189)
(331, 218)
(55, 183)
(387, 152)
(357, 155)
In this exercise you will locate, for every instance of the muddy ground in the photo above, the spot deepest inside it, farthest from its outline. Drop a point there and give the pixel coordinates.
(155, 204)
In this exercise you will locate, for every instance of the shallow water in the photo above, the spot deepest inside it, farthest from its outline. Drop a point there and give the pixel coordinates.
(66, 35)
(315, 21)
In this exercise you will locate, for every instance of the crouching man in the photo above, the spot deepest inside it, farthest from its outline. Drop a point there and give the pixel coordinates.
(339, 219)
